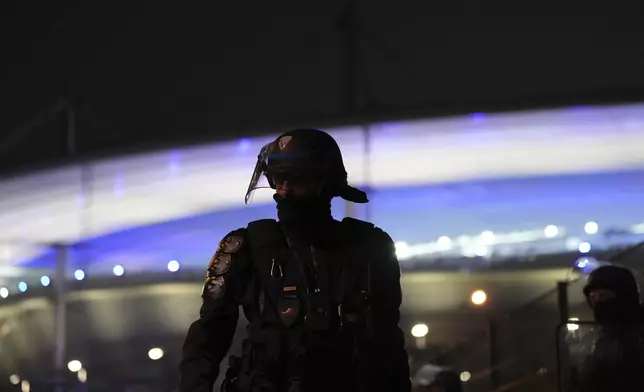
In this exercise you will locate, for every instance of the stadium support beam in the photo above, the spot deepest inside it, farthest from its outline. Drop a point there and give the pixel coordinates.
(562, 302)
(366, 132)
(493, 347)
(60, 314)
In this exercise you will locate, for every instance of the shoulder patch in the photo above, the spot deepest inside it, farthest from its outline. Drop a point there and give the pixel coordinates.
(219, 263)
(214, 289)
(231, 243)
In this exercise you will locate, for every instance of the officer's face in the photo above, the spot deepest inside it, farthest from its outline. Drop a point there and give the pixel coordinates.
(600, 295)
(297, 184)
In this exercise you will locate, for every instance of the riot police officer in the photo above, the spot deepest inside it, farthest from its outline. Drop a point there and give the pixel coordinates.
(613, 295)
(616, 348)
(321, 296)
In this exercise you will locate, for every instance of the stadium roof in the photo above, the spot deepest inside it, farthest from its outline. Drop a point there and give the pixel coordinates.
(70, 204)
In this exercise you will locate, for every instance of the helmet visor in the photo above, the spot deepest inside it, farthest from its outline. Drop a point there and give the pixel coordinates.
(258, 179)
(275, 165)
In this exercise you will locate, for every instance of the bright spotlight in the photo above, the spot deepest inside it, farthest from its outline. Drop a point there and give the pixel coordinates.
(402, 250)
(155, 353)
(551, 231)
(173, 266)
(74, 366)
(584, 247)
(25, 386)
(478, 297)
(444, 242)
(4, 292)
(573, 324)
(14, 379)
(487, 237)
(44, 280)
(465, 376)
(591, 227)
(79, 274)
(419, 330)
(118, 270)
(22, 286)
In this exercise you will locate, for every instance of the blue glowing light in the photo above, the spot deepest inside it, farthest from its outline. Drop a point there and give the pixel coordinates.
(408, 214)
(476, 117)
(584, 247)
(587, 265)
(174, 163)
(173, 266)
(243, 145)
(79, 274)
(118, 270)
(119, 184)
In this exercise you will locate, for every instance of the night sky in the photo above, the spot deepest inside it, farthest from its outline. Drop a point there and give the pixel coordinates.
(150, 74)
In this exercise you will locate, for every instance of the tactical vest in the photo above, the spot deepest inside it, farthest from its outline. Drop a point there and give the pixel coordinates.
(296, 296)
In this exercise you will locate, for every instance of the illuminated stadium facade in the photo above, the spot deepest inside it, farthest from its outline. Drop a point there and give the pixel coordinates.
(460, 196)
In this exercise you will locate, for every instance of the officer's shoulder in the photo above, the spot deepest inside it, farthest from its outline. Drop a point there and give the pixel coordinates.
(365, 231)
(374, 240)
(238, 239)
(228, 251)
(262, 224)
(264, 232)
(233, 242)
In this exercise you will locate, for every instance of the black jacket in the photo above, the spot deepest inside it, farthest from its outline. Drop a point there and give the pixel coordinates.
(240, 284)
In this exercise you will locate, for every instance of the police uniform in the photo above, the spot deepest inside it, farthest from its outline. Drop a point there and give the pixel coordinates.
(323, 310)
(607, 355)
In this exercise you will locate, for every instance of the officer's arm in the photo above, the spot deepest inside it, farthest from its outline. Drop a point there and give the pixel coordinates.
(209, 338)
(386, 301)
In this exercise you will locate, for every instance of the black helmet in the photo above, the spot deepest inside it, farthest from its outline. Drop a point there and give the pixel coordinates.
(614, 278)
(306, 152)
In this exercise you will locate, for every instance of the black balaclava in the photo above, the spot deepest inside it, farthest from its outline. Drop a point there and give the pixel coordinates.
(626, 304)
(304, 218)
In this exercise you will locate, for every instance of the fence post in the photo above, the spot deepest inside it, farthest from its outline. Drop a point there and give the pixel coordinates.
(562, 302)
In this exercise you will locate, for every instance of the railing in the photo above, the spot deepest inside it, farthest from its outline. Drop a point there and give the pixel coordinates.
(517, 350)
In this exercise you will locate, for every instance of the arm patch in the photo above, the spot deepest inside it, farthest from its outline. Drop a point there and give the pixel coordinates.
(231, 243)
(219, 265)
